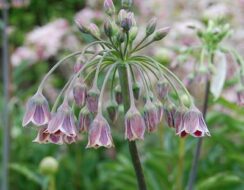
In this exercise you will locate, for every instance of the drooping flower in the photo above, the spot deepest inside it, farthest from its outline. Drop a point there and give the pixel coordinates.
(80, 93)
(92, 99)
(162, 89)
(151, 116)
(42, 136)
(169, 112)
(63, 121)
(193, 124)
(85, 120)
(99, 133)
(37, 111)
(134, 125)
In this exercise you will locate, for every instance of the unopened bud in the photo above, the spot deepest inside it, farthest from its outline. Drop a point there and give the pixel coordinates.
(94, 30)
(48, 166)
(161, 33)
(122, 15)
(92, 99)
(80, 92)
(151, 26)
(126, 24)
(85, 119)
(108, 29)
(133, 33)
(109, 7)
(82, 28)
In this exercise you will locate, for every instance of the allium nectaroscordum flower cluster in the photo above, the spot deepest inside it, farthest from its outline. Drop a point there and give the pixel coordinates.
(119, 50)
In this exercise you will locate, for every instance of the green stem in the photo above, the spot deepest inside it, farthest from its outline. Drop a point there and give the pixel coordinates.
(181, 164)
(52, 183)
(132, 145)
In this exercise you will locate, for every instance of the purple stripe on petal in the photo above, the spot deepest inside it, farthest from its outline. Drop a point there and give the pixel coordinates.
(55, 123)
(39, 117)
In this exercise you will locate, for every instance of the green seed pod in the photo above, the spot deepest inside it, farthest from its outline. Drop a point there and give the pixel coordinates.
(136, 90)
(112, 109)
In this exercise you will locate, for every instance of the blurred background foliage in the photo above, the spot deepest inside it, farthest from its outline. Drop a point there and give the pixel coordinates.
(166, 165)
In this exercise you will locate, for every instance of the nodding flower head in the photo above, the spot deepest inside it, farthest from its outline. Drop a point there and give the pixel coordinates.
(99, 133)
(134, 125)
(92, 99)
(193, 124)
(115, 55)
(63, 122)
(80, 93)
(85, 119)
(37, 111)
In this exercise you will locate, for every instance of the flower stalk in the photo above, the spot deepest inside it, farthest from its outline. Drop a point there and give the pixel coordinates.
(132, 144)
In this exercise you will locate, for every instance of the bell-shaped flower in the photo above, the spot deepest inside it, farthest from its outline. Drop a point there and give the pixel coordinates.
(178, 121)
(151, 116)
(169, 112)
(92, 99)
(162, 89)
(85, 120)
(37, 111)
(134, 125)
(63, 121)
(42, 136)
(193, 124)
(80, 93)
(99, 133)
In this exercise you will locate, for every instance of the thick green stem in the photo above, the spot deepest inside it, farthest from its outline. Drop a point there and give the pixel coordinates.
(132, 145)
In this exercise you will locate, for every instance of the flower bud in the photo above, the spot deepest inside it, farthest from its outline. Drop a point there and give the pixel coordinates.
(136, 90)
(112, 109)
(118, 95)
(85, 119)
(133, 33)
(79, 64)
(99, 133)
(37, 111)
(108, 29)
(80, 92)
(109, 7)
(161, 33)
(134, 125)
(126, 24)
(92, 99)
(94, 30)
(126, 4)
(151, 26)
(122, 15)
(131, 16)
(150, 116)
(49, 166)
(169, 112)
(163, 88)
(82, 28)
